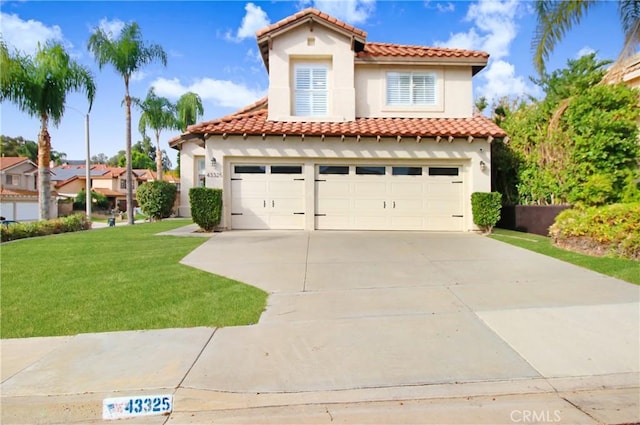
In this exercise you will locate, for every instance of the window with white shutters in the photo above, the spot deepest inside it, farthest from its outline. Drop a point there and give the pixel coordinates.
(311, 90)
(411, 88)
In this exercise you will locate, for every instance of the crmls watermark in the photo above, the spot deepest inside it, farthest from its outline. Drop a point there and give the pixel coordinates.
(535, 416)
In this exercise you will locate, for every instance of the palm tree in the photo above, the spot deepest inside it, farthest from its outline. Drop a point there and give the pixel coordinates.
(158, 114)
(128, 54)
(556, 17)
(39, 86)
(189, 109)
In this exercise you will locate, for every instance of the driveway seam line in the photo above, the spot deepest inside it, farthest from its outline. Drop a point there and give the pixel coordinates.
(306, 263)
(206, 344)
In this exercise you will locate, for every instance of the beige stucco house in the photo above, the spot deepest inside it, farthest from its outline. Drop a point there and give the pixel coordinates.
(19, 190)
(352, 135)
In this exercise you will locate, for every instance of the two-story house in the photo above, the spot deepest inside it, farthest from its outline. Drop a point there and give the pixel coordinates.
(352, 135)
(19, 190)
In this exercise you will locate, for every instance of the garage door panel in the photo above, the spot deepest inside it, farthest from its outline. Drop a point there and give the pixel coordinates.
(377, 189)
(249, 221)
(267, 200)
(404, 198)
(6, 210)
(27, 211)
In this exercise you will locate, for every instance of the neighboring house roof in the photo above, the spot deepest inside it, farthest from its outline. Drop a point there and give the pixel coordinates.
(256, 123)
(7, 162)
(18, 192)
(624, 71)
(63, 173)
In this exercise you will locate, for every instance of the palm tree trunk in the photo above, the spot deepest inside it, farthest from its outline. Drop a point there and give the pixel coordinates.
(158, 157)
(44, 178)
(129, 172)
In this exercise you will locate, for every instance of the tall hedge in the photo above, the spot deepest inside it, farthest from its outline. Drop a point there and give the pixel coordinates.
(156, 198)
(485, 207)
(206, 207)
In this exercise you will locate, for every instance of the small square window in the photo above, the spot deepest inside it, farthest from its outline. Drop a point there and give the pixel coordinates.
(406, 171)
(370, 170)
(334, 169)
(250, 169)
(286, 169)
(443, 171)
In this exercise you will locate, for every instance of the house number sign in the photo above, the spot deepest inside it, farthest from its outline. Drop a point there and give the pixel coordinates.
(214, 174)
(130, 407)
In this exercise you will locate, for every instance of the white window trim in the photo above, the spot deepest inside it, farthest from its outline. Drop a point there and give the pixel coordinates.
(200, 173)
(437, 106)
(296, 91)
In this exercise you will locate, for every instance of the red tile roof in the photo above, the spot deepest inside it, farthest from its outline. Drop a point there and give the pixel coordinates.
(256, 123)
(407, 51)
(108, 192)
(10, 161)
(18, 192)
(310, 12)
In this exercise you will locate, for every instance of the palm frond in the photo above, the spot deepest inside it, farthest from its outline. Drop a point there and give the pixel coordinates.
(554, 19)
(189, 109)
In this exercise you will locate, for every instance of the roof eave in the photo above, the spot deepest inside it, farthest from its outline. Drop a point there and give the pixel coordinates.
(264, 39)
(477, 64)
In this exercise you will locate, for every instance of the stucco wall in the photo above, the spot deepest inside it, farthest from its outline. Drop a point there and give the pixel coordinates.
(303, 44)
(187, 175)
(454, 98)
(312, 151)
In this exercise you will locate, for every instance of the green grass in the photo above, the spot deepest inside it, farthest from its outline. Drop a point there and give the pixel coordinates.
(121, 278)
(620, 268)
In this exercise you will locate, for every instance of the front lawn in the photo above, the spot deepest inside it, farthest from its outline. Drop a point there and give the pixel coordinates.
(119, 278)
(620, 268)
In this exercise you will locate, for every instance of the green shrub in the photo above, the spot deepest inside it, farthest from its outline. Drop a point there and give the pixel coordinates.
(72, 223)
(608, 230)
(156, 199)
(99, 200)
(485, 207)
(206, 206)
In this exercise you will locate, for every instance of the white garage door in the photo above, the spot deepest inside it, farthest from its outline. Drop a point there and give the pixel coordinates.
(376, 197)
(267, 196)
(27, 211)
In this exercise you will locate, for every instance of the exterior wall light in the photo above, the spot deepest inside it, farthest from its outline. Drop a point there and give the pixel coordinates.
(483, 166)
(213, 162)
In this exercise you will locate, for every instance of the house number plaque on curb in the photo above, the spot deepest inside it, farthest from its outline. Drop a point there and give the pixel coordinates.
(131, 407)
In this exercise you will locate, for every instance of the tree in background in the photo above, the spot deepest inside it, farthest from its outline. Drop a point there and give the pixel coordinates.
(188, 109)
(586, 155)
(39, 86)
(18, 146)
(127, 54)
(554, 18)
(158, 114)
(99, 159)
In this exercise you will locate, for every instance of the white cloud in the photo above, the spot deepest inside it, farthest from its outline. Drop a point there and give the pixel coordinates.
(223, 93)
(493, 28)
(253, 20)
(253, 55)
(445, 8)
(25, 35)
(586, 50)
(351, 11)
(501, 81)
(138, 76)
(111, 28)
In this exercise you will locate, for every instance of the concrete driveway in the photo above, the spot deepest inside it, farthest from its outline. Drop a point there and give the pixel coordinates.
(381, 327)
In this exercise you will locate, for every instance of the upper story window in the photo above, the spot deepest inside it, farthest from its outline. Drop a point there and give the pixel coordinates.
(411, 88)
(311, 90)
(12, 179)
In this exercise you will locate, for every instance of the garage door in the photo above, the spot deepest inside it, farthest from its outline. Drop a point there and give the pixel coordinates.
(267, 196)
(376, 197)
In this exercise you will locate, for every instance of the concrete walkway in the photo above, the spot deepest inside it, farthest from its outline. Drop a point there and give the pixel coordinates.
(362, 327)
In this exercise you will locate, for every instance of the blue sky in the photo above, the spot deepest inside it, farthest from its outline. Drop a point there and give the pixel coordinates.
(212, 50)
